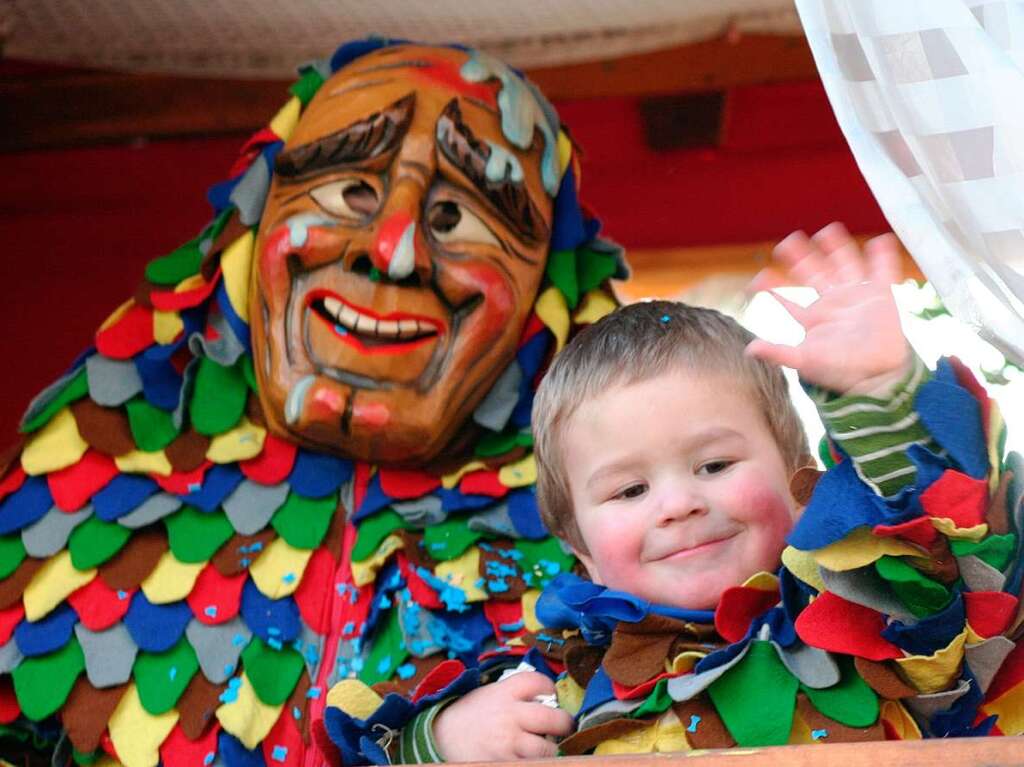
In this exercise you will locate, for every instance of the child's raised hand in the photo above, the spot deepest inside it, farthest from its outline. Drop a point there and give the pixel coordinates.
(853, 342)
(502, 722)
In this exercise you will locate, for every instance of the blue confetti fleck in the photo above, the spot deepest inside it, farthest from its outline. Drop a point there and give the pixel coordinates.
(244, 562)
(275, 643)
(230, 695)
(497, 586)
(313, 693)
(349, 627)
(694, 721)
(122, 594)
(665, 318)
(238, 640)
(229, 669)
(511, 626)
(406, 671)
(210, 611)
(385, 665)
(279, 754)
(172, 672)
(274, 631)
(384, 601)
(288, 577)
(819, 734)
(208, 759)
(258, 546)
(296, 712)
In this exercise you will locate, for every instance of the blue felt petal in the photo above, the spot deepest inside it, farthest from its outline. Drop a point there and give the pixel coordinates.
(316, 475)
(161, 382)
(219, 482)
(219, 194)
(522, 509)
(47, 635)
(27, 504)
(931, 633)
(156, 628)
(123, 494)
(374, 500)
(953, 417)
(234, 754)
(958, 720)
(567, 229)
(238, 326)
(455, 500)
(270, 619)
(349, 52)
(598, 692)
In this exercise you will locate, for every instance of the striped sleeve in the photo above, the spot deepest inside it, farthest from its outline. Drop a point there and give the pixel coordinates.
(877, 432)
(416, 741)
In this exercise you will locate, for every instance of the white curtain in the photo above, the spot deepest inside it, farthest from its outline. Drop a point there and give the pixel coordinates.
(930, 96)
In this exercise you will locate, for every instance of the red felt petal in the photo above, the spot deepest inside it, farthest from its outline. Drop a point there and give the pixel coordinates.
(171, 301)
(132, 333)
(283, 744)
(483, 483)
(73, 486)
(533, 326)
(250, 149)
(13, 481)
(622, 692)
(831, 623)
(273, 464)
(501, 612)
(316, 583)
(407, 484)
(421, 593)
(10, 618)
(920, 531)
(216, 598)
(178, 751)
(1010, 674)
(966, 379)
(322, 747)
(9, 708)
(958, 497)
(738, 607)
(989, 612)
(439, 677)
(98, 606)
(183, 482)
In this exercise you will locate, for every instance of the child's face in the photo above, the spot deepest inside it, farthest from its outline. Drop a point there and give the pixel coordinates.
(678, 487)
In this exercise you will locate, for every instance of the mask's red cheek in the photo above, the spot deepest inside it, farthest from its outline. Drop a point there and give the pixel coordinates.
(273, 260)
(498, 293)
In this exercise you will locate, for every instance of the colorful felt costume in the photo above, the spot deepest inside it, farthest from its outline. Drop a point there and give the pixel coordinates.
(179, 585)
(892, 617)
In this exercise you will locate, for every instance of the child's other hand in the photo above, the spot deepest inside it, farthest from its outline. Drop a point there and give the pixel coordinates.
(502, 722)
(853, 342)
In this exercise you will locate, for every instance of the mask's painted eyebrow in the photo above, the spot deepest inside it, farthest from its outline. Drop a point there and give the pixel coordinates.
(363, 140)
(470, 155)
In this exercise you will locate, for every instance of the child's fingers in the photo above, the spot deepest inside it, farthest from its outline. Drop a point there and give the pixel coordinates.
(544, 720)
(804, 261)
(530, 746)
(842, 253)
(799, 313)
(768, 278)
(527, 685)
(777, 354)
(885, 262)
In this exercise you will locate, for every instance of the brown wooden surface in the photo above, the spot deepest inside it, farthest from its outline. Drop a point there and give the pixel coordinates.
(55, 107)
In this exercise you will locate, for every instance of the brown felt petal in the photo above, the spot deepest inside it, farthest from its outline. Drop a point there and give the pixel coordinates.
(105, 429)
(586, 740)
(187, 451)
(13, 586)
(335, 537)
(802, 484)
(710, 730)
(516, 585)
(299, 700)
(883, 679)
(254, 411)
(86, 712)
(142, 291)
(198, 704)
(414, 552)
(582, 661)
(997, 515)
(130, 566)
(837, 733)
(237, 555)
(940, 563)
(11, 454)
(638, 650)
(497, 461)
(231, 232)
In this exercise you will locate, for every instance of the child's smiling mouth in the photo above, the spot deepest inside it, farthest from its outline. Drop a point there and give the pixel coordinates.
(703, 547)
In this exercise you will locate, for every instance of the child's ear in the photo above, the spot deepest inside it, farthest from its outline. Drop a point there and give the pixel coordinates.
(588, 563)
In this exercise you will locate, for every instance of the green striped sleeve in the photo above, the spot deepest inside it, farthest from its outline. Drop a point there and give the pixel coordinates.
(416, 742)
(877, 432)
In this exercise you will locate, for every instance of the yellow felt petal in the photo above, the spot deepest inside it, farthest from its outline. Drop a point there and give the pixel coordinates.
(948, 528)
(239, 444)
(166, 326)
(859, 549)
(136, 733)
(595, 305)
(519, 474)
(364, 572)
(141, 462)
(554, 313)
(671, 734)
(529, 602)
(683, 662)
(464, 572)
(933, 673)
(235, 264)
(800, 731)
(637, 742)
(190, 283)
(1009, 707)
(354, 698)
(902, 723)
(569, 694)
(51, 585)
(564, 151)
(803, 566)
(117, 314)
(448, 481)
(105, 760)
(284, 121)
(762, 581)
(171, 580)
(278, 570)
(56, 446)
(247, 717)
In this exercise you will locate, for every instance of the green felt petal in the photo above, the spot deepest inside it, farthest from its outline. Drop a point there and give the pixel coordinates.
(543, 560)
(492, 444)
(921, 595)
(825, 454)
(85, 759)
(152, 428)
(658, 701)
(182, 262)
(73, 390)
(163, 676)
(593, 268)
(42, 684)
(12, 552)
(195, 536)
(851, 702)
(249, 372)
(218, 399)
(756, 698)
(561, 270)
(94, 542)
(387, 653)
(449, 539)
(273, 673)
(306, 86)
(303, 522)
(996, 550)
(373, 530)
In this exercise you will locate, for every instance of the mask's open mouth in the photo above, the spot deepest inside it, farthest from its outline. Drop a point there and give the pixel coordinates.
(369, 332)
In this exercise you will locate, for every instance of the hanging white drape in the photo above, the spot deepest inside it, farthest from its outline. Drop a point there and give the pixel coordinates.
(930, 97)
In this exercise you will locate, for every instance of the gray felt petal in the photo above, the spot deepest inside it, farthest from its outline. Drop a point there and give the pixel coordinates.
(111, 382)
(420, 512)
(495, 520)
(312, 648)
(496, 408)
(980, 575)
(347, 496)
(414, 622)
(687, 686)
(811, 665)
(923, 707)
(251, 505)
(225, 350)
(46, 396)
(188, 382)
(150, 510)
(985, 658)
(218, 647)
(250, 194)
(10, 656)
(46, 536)
(109, 654)
(613, 709)
(865, 587)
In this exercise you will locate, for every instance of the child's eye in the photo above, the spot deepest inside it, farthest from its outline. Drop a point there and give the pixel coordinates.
(714, 467)
(633, 491)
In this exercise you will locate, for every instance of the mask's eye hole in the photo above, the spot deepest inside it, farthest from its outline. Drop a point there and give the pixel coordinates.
(350, 198)
(451, 222)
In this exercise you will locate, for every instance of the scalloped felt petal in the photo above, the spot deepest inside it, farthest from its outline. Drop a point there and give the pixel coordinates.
(98, 606)
(859, 548)
(51, 584)
(190, 292)
(10, 657)
(178, 750)
(997, 551)
(406, 484)
(86, 712)
(94, 542)
(761, 720)
(62, 392)
(161, 678)
(152, 428)
(989, 613)
(171, 580)
(272, 672)
(279, 570)
(180, 263)
(864, 586)
(958, 497)
(496, 520)
(496, 407)
(273, 464)
(251, 506)
(111, 382)
(72, 487)
(9, 709)
(136, 734)
(953, 418)
(920, 531)
(372, 532)
(28, 504)
(276, 619)
(156, 628)
(219, 482)
(43, 684)
(986, 658)
(833, 624)
(303, 522)
(136, 560)
(187, 451)
(194, 536)
(315, 582)
(283, 745)
(151, 510)
(141, 462)
(933, 673)
(12, 588)
(244, 441)
(218, 648)
(925, 636)
(124, 493)
(247, 717)
(567, 226)
(521, 473)
(234, 754)
(12, 553)
(737, 608)
(851, 702)
(812, 667)
(183, 483)
(46, 635)
(49, 535)
(11, 481)
(922, 595)
(483, 483)
(238, 554)
(126, 333)
(554, 313)
(315, 475)
(449, 539)
(216, 598)
(9, 618)
(218, 397)
(525, 514)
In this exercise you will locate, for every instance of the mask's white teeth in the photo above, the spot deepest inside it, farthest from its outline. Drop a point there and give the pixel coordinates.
(408, 328)
(349, 318)
(387, 328)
